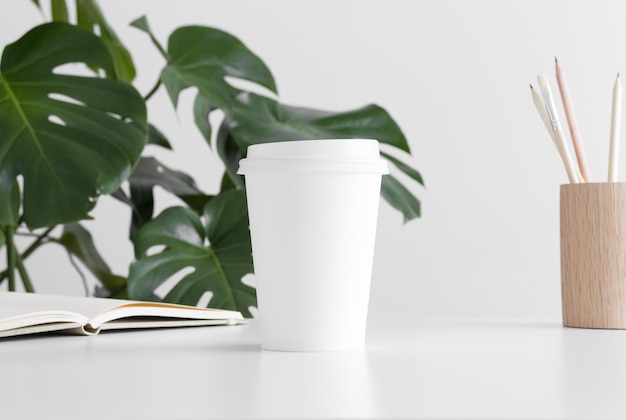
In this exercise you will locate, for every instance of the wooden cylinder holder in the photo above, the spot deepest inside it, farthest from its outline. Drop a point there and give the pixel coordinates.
(593, 255)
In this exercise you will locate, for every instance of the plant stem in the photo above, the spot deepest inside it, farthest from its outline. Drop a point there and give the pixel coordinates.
(23, 273)
(153, 90)
(8, 233)
(36, 244)
(159, 47)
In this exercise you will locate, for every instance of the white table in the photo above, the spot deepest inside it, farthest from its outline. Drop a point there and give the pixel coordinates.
(409, 369)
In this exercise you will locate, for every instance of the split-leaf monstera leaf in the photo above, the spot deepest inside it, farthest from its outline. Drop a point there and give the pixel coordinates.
(203, 57)
(257, 119)
(70, 138)
(218, 252)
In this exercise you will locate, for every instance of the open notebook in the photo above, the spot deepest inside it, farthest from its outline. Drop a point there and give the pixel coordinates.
(28, 313)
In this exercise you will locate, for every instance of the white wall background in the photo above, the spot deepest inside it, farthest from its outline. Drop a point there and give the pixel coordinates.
(455, 76)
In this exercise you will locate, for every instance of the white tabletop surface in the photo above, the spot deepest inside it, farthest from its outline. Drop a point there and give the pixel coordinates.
(409, 369)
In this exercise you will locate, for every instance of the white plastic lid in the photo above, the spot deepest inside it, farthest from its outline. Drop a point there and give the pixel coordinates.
(332, 155)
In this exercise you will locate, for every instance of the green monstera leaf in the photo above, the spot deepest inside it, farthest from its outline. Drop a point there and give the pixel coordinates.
(78, 241)
(203, 57)
(149, 173)
(90, 17)
(71, 138)
(219, 253)
(257, 119)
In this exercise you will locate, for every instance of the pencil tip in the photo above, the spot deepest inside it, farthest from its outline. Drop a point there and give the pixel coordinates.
(531, 86)
(556, 60)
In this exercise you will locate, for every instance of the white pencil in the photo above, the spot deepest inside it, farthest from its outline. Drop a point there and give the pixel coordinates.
(570, 116)
(557, 131)
(615, 130)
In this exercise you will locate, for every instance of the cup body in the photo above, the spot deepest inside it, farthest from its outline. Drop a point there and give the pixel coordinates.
(313, 209)
(593, 255)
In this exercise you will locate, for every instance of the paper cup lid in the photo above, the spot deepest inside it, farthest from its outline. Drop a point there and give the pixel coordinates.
(344, 155)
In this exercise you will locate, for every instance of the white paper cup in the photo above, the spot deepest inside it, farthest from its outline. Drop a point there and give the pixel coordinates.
(313, 206)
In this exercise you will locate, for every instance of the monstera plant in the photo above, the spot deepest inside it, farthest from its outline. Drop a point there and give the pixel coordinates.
(67, 138)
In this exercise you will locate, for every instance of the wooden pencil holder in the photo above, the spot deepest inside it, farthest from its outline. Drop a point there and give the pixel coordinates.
(593, 255)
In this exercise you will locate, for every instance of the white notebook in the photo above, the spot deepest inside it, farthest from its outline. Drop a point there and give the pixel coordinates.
(30, 313)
